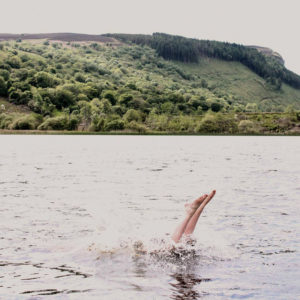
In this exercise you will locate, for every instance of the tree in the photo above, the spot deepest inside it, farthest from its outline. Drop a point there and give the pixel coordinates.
(132, 115)
(3, 87)
(4, 74)
(167, 107)
(126, 99)
(14, 62)
(105, 106)
(90, 90)
(194, 102)
(110, 95)
(85, 112)
(290, 109)
(217, 123)
(14, 95)
(116, 124)
(80, 77)
(25, 97)
(63, 98)
(247, 126)
(251, 107)
(44, 80)
(215, 106)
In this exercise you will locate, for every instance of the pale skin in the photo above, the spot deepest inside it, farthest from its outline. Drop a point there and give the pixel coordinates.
(194, 210)
(188, 225)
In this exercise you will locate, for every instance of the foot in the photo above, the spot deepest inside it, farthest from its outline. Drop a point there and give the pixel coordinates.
(209, 197)
(190, 208)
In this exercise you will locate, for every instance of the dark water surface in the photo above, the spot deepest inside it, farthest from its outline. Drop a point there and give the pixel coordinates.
(72, 209)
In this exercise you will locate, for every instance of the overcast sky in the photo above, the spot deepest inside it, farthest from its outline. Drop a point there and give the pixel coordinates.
(269, 23)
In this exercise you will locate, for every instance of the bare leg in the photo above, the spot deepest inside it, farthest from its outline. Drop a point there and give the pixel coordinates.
(190, 227)
(191, 210)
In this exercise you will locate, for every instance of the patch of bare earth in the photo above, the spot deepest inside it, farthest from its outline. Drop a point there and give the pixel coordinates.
(7, 107)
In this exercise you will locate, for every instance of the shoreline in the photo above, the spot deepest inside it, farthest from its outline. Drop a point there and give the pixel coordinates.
(65, 132)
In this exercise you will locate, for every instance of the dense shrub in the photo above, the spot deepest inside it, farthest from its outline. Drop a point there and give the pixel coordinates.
(137, 127)
(27, 122)
(251, 107)
(157, 122)
(105, 106)
(126, 99)
(4, 74)
(63, 98)
(181, 124)
(5, 121)
(73, 123)
(217, 123)
(110, 95)
(117, 124)
(44, 80)
(98, 124)
(169, 108)
(90, 90)
(14, 62)
(55, 123)
(3, 87)
(247, 126)
(215, 106)
(80, 77)
(14, 95)
(132, 115)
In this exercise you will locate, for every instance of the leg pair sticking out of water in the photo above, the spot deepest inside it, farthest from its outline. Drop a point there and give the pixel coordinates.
(193, 210)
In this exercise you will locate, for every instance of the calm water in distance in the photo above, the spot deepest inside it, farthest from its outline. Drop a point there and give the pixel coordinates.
(73, 207)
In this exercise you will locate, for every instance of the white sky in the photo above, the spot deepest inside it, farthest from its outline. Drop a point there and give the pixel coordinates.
(269, 23)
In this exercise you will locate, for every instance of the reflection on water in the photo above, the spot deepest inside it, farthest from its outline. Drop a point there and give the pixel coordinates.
(91, 216)
(184, 286)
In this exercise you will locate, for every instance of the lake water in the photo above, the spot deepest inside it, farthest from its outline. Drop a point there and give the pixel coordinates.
(73, 207)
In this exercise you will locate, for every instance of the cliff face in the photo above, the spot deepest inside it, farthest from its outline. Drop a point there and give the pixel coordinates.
(269, 52)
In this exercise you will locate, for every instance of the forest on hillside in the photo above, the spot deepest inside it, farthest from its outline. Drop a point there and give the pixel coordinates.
(189, 50)
(95, 86)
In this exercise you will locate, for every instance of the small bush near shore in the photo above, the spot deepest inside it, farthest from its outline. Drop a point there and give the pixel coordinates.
(248, 127)
(134, 126)
(56, 123)
(217, 123)
(27, 122)
(114, 125)
(5, 120)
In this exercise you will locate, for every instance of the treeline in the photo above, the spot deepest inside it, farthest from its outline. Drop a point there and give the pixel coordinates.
(190, 50)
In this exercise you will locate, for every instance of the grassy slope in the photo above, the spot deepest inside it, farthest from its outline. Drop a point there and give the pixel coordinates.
(234, 78)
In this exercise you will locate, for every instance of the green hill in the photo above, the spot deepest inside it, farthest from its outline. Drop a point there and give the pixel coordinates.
(233, 78)
(143, 83)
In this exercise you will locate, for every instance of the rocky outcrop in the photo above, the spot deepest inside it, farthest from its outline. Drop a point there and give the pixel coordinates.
(269, 52)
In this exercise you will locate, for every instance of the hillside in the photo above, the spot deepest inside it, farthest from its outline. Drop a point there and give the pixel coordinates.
(104, 83)
(244, 86)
